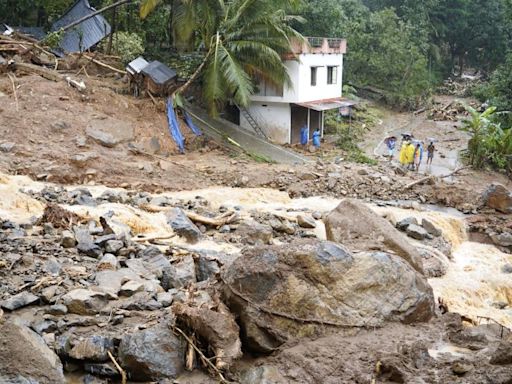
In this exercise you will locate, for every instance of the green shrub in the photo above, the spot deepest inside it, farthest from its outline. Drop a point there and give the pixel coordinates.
(128, 46)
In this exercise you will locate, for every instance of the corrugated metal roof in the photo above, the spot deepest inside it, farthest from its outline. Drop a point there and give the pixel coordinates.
(137, 65)
(86, 34)
(36, 32)
(159, 72)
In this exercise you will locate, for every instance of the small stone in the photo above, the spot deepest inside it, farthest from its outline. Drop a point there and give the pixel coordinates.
(165, 298)
(93, 348)
(57, 310)
(67, 239)
(431, 228)
(84, 301)
(183, 272)
(113, 246)
(19, 301)
(130, 288)
(107, 262)
(306, 221)
(316, 215)
(254, 231)
(416, 232)
(362, 172)
(503, 239)
(225, 229)
(404, 223)
(460, 369)
(507, 268)
(182, 225)
(7, 147)
(44, 326)
(102, 240)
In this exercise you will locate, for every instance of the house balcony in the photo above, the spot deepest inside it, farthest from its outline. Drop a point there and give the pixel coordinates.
(322, 45)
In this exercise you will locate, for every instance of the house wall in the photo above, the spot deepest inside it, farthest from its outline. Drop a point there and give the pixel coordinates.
(273, 118)
(300, 76)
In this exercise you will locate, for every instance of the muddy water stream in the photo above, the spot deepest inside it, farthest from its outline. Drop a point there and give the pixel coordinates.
(473, 285)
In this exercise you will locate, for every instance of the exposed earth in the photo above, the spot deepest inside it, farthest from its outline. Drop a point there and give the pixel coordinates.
(116, 250)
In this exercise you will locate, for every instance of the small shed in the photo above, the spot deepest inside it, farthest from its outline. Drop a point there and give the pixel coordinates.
(84, 35)
(136, 78)
(158, 78)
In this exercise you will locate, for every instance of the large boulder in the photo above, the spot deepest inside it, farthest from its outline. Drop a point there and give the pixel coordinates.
(498, 197)
(302, 289)
(25, 358)
(152, 354)
(356, 226)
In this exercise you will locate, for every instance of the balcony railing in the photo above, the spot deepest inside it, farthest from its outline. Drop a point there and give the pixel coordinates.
(320, 45)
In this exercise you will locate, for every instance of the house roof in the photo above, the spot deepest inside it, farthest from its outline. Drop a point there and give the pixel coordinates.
(159, 72)
(137, 65)
(84, 35)
(326, 104)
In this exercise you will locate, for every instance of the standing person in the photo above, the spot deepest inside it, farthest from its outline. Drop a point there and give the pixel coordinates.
(316, 138)
(430, 153)
(391, 143)
(403, 153)
(410, 150)
(417, 157)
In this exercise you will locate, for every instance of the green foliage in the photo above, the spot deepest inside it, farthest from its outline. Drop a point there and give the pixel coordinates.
(350, 133)
(128, 45)
(53, 39)
(498, 91)
(383, 54)
(241, 40)
(490, 144)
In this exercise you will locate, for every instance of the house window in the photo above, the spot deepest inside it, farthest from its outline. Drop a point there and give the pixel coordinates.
(332, 75)
(313, 75)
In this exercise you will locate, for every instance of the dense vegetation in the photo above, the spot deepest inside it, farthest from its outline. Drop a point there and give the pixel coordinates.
(398, 49)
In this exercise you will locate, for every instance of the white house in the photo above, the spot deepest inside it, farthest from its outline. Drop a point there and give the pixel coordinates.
(316, 79)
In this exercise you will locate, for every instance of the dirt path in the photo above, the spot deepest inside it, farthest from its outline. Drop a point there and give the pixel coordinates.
(449, 140)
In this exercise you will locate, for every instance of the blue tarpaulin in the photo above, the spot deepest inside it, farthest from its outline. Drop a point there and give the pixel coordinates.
(174, 127)
(191, 125)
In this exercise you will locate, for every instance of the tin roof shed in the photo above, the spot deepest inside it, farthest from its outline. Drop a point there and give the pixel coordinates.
(136, 66)
(84, 35)
(159, 72)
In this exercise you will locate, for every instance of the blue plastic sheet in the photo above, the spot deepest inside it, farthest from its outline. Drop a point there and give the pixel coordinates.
(174, 127)
(190, 124)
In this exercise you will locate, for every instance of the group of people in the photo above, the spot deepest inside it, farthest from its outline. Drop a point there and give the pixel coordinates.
(411, 151)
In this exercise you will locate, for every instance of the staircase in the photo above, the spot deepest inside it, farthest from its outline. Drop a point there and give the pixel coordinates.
(254, 125)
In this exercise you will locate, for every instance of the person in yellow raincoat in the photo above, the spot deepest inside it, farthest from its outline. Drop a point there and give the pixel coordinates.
(403, 152)
(409, 155)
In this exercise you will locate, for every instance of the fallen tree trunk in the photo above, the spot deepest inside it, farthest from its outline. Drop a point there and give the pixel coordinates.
(48, 74)
(430, 177)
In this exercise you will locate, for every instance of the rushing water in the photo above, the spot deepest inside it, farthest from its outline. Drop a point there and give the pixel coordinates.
(473, 285)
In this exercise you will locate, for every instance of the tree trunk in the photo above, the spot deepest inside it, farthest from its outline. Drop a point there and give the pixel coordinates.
(461, 65)
(113, 30)
(194, 76)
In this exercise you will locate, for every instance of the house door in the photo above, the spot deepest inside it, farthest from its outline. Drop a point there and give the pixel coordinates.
(315, 121)
(299, 118)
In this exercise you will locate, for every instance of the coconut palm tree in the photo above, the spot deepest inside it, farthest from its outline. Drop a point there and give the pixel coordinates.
(242, 40)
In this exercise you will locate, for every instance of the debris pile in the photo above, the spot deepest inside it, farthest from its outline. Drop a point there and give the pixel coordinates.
(121, 283)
